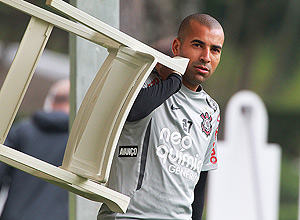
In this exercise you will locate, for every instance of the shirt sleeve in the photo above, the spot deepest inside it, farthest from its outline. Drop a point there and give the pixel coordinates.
(151, 97)
(211, 157)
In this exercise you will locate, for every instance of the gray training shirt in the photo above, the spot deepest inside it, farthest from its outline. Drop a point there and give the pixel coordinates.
(159, 158)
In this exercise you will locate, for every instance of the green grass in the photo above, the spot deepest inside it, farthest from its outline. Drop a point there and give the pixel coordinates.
(288, 211)
(289, 189)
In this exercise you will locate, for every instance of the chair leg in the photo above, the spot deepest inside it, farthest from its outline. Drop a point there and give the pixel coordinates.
(21, 72)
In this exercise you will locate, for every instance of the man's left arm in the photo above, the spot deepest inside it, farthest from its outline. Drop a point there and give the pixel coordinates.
(210, 163)
(199, 195)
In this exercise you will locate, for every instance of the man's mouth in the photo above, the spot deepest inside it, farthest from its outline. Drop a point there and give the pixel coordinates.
(202, 69)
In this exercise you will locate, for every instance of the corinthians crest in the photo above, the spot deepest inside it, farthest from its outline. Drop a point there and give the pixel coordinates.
(206, 123)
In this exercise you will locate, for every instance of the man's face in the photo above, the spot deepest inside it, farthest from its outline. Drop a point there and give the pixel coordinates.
(202, 46)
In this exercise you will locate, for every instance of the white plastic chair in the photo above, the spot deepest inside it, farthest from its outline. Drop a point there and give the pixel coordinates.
(102, 114)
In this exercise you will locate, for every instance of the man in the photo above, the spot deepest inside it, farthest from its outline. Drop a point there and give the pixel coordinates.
(173, 128)
(43, 136)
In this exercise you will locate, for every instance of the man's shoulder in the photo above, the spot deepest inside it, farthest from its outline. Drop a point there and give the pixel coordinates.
(152, 79)
(212, 103)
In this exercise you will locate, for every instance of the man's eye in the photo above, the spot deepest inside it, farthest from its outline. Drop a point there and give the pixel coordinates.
(216, 50)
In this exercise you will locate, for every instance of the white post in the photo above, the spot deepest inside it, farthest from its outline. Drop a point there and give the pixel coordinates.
(86, 59)
(246, 185)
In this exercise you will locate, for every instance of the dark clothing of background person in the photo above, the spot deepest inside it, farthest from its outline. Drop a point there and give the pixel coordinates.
(43, 136)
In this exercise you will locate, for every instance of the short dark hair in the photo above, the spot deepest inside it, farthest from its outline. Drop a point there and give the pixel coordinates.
(203, 19)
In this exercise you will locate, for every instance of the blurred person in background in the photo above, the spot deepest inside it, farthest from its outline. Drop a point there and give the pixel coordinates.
(44, 136)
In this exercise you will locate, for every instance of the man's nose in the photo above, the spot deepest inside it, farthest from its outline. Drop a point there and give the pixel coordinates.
(205, 56)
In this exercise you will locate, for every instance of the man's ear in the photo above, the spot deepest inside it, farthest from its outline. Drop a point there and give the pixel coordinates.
(175, 47)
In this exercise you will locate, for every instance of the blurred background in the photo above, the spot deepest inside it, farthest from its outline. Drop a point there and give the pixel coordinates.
(261, 53)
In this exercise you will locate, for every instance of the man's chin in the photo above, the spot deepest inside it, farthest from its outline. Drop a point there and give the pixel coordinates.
(195, 79)
(200, 79)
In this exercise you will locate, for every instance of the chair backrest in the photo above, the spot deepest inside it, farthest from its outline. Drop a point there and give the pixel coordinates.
(101, 116)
